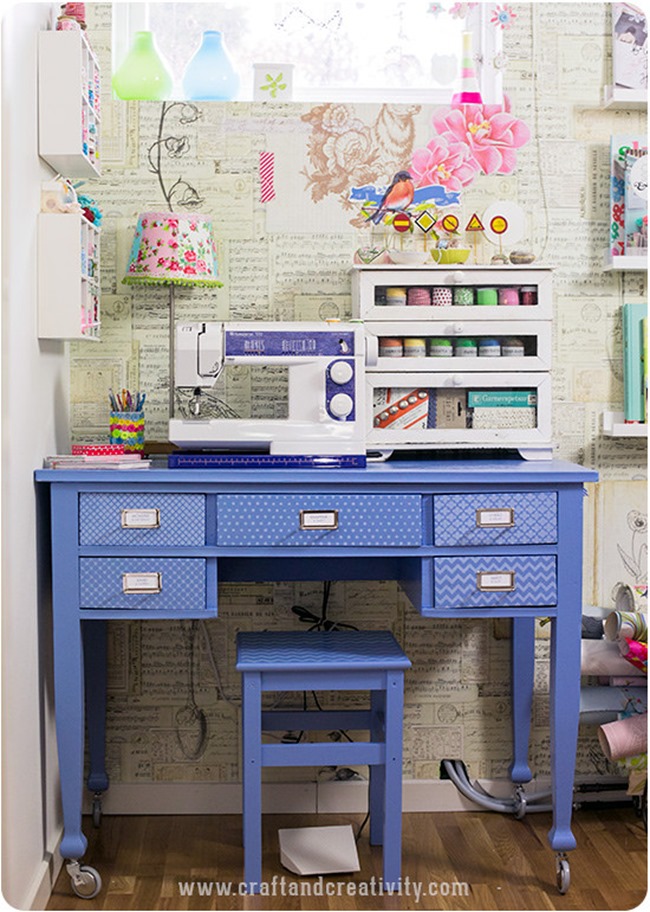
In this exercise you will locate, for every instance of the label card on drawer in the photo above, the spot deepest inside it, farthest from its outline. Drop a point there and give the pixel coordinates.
(141, 582)
(495, 582)
(141, 519)
(495, 519)
(319, 519)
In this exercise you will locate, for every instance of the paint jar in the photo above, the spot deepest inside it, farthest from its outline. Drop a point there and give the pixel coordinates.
(465, 348)
(489, 348)
(418, 297)
(513, 348)
(396, 297)
(380, 297)
(509, 297)
(390, 348)
(440, 348)
(415, 348)
(442, 297)
(463, 297)
(528, 295)
(487, 296)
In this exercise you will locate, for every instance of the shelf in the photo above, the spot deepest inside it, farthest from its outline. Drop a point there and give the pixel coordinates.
(614, 426)
(622, 263)
(620, 97)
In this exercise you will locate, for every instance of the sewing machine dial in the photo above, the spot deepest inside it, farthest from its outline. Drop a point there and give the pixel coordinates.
(340, 389)
(341, 372)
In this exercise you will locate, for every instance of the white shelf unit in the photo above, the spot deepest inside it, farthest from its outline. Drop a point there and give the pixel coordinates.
(68, 104)
(68, 277)
(614, 425)
(459, 376)
(620, 97)
(627, 263)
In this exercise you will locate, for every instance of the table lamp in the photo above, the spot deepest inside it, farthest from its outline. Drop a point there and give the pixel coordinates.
(172, 249)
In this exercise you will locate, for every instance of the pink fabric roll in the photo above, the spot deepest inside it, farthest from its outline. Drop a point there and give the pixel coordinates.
(625, 737)
(600, 657)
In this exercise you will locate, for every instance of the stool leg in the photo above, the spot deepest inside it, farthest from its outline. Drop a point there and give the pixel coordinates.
(252, 779)
(393, 774)
(377, 783)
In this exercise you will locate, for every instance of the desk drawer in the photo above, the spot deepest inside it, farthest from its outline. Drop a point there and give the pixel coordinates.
(177, 584)
(500, 518)
(494, 582)
(142, 519)
(319, 520)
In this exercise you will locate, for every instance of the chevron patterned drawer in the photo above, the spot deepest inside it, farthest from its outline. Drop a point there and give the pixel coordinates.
(500, 518)
(177, 584)
(142, 519)
(319, 520)
(494, 582)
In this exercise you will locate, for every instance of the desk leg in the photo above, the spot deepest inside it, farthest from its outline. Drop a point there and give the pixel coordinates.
(377, 772)
(523, 672)
(393, 726)
(565, 669)
(252, 779)
(69, 708)
(565, 711)
(94, 638)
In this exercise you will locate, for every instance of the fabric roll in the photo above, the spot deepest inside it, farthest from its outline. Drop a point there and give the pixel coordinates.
(600, 657)
(635, 653)
(625, 737)
(632, 624)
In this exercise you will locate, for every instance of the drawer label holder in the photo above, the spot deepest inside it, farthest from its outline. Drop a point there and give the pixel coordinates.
(141, 583)
(141, 518)
(489, 581)
(495, 519)
(319, 519)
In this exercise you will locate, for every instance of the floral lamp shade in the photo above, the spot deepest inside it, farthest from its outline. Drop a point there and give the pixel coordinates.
(172, 249)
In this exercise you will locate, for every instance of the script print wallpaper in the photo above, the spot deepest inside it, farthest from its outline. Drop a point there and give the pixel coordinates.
(288, 259)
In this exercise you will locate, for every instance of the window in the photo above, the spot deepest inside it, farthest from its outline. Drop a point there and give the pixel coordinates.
(352, 51)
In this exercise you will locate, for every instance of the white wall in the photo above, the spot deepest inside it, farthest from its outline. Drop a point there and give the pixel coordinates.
(34, 423)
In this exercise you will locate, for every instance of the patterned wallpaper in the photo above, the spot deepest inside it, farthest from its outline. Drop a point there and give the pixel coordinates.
(288, 259)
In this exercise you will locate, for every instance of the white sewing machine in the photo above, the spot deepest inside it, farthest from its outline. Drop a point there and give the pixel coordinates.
(326, 386)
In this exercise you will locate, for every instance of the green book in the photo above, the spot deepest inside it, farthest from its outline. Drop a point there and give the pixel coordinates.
(500, 398)
(633, 385)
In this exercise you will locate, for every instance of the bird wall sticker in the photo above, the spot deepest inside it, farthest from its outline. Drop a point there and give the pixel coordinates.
(397, 198)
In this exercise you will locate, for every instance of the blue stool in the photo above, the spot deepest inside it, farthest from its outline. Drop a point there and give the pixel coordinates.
(321, 660)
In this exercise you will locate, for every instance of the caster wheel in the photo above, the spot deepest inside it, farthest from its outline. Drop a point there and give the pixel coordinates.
(86, 883)
(562, 874)
(520, 804)
(97, 812)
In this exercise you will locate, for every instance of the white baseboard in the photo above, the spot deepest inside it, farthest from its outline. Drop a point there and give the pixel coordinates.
(419, 795)
(39, 894)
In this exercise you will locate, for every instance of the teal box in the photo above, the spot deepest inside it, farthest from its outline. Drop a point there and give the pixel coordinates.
(500, 398)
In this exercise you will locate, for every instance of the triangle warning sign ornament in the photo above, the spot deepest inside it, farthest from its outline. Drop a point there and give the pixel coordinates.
(474, 224)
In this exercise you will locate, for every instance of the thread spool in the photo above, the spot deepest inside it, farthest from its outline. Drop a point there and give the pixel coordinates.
(513, 348)
(442, 297)
(487, 297)
(390, 348)
(463, 297)
(489, 348)
(396, 297)
(509, 297)
(440, 348)
(418, 297)
(528, 295)
(415, 348)
(465, 348)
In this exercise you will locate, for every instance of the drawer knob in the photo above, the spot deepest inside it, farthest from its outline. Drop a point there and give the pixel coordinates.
(495, 519)
(141, 518)
(319, 519)
(142, 583)
(489, 581)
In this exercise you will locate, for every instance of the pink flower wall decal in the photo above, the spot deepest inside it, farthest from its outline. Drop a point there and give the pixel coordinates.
(503, 16)
(491, 133)
(444, 162)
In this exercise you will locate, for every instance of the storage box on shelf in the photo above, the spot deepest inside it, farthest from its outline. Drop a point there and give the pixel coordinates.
(448, 366)
(68, 103)
(68, 277)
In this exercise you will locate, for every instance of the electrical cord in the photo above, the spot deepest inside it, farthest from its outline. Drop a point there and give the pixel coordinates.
(191, 713)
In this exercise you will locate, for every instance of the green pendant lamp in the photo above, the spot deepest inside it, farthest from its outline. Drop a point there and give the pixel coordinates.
(143, 74)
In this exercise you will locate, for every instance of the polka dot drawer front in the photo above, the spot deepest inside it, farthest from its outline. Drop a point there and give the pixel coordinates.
(319, 520)
(141, 519)
(177, 584)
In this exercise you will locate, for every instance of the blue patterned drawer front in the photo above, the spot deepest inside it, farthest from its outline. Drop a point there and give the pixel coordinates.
(532, 580)
(181, 580)
(531, 519)
(180, 517)
(365, 520)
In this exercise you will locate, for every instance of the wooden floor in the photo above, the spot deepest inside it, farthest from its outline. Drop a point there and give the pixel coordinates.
(506, 863)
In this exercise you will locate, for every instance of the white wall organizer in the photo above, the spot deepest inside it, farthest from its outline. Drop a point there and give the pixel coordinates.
(68, 104)
(68, 277)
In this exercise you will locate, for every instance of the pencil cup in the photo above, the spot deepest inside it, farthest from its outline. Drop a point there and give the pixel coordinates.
(128, 428)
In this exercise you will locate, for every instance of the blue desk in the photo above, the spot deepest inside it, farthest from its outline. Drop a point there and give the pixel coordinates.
(472, 539)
